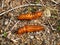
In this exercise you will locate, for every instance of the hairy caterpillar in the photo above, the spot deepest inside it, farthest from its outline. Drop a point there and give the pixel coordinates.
(30, 28)
(30, 16)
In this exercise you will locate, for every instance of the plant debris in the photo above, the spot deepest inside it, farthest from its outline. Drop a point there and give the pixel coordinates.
(9, 24)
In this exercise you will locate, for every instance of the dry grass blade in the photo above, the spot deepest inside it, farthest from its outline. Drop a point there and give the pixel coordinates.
(20, 7)
(51, 25)
(14, 25)
(10, 9)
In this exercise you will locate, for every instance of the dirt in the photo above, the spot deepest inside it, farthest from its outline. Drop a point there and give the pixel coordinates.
(9, 24)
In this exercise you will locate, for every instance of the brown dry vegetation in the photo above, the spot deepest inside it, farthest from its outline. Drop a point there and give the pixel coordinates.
(9, 24)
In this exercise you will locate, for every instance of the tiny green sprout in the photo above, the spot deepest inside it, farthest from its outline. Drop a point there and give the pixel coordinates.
(5, 34)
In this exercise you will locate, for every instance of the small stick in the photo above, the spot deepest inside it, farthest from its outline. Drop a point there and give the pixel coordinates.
(51, 25)
(20, 7)
(2, 3)
(14, 25)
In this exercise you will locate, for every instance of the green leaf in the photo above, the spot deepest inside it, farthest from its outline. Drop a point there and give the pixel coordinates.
(5, 34)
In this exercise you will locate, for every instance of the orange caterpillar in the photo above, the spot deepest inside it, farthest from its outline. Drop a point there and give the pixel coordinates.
(30, 28)
(30, 16)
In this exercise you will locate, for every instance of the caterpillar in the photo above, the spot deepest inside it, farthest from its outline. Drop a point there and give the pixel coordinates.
(29, 28)
(30, 16)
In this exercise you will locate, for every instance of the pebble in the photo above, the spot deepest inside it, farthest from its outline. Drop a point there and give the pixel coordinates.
(6, 22)
(31, 37)
(48, 31)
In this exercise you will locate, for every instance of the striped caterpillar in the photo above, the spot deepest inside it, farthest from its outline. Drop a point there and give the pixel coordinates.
(30, 16)
(29, 28)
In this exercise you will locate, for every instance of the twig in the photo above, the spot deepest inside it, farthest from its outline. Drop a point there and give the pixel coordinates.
(54, 1)
(51, 25)
(42, 2)
(14, 25)
(15, 40)
(2, 3)
(20, 7)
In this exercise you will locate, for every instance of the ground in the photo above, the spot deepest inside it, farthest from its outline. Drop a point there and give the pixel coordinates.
(9, 24)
